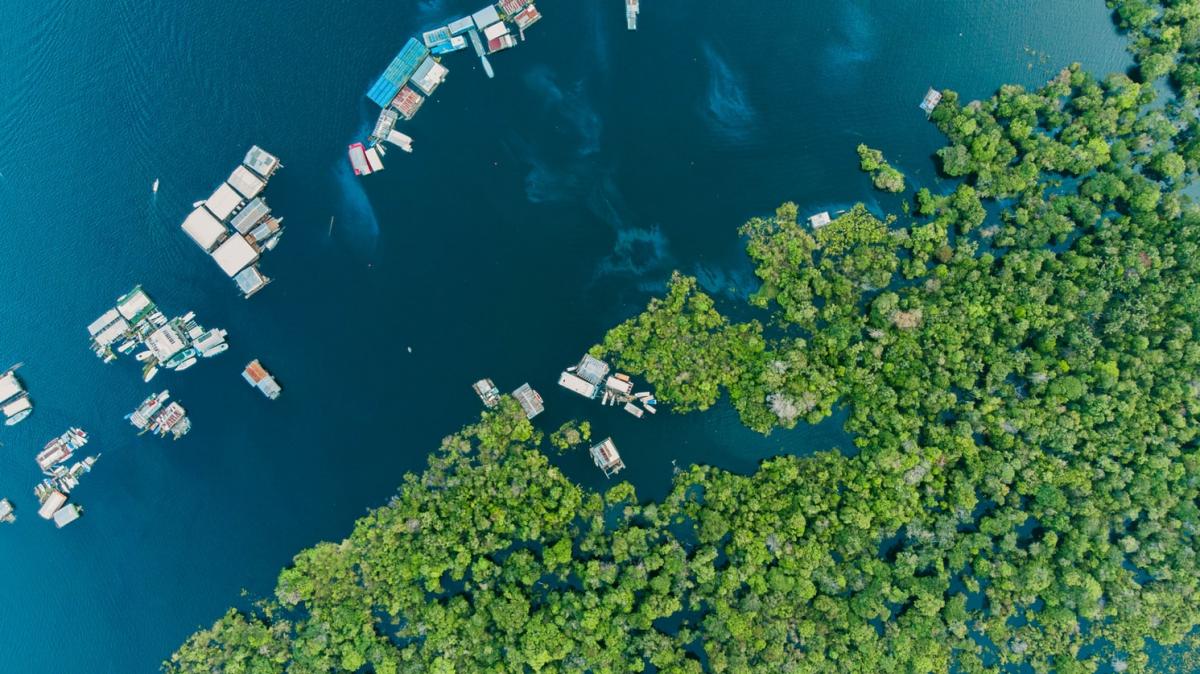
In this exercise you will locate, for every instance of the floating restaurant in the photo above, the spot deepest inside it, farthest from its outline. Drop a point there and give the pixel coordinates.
(606, 457)
(136, 321)
(14, 400)
(257, 376)
(234, 225)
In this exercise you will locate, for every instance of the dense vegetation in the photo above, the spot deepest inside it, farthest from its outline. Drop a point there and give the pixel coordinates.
(1022, 392)
(883, 175)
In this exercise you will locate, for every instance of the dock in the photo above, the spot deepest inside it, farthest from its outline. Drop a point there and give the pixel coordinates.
(529, 399)
(257, 376)
(228, 225)
(487, 392)
(136, 321)
(606, 457)
(14, 399)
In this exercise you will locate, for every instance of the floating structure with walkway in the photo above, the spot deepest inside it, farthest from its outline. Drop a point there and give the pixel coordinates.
(234, 225)
(417, 70)
(606, 457)
(529, 400)
(136, 321)
(159, 416)
(487, 392)
(632, 9)
(590, 378)
(14, 400)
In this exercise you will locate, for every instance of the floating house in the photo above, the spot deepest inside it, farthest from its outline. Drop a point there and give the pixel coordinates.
(606, 457)
(172, 419)
(511, 7)
(6, 511)
(429, 75)
(633, 409)
(591, 369)
(487, 392)
(358, 160)
(619, 384)
(526, 18)
(819, 220)
(435, 37)
(220, 223)
(51, 503)
(577, 384)
(461, 26)
(384, 125)
(66, 514)
(144, 415)
(258, 377)
(456, 43)
(14, 400)
(250, 280)
(529, 399)
(931, 100)
(486, 17)
(400, 140)
(398, 72)
(632, 9)
(60, 449)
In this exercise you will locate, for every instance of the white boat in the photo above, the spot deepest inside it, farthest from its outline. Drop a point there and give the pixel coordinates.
(198, 204)
(185, 364)
(143, 356)
(150, 373)
(649, 407)
(154, 187)
(220, 348)
(16, 411)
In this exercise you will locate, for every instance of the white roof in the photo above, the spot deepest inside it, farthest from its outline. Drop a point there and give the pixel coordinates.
(429, 75)
(495, 30)
(204, 229)
(9, 386)
(19, 405)
(103, 322)
(134, 304)
(65, 516)
(460, 26)
(51, 505)
(223, 201)
(244, 181)
(111, 331)
(373, 159)
(165, 342)
(576, 385)
(819, 220)
(486, 16)
(619, 385)
(234, 255)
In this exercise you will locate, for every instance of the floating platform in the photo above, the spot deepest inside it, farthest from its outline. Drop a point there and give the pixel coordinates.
(819, 220)
(576, 384)
(487, 392)
(606, 457)
(632, 9)
(529, 400)
(257, 376)
(931, 100)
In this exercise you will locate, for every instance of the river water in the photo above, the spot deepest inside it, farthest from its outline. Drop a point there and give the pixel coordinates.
(539, 208)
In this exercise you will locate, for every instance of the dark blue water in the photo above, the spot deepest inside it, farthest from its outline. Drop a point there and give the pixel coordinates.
(539, 208)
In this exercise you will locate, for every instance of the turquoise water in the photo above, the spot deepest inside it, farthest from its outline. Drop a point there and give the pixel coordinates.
(539, 208)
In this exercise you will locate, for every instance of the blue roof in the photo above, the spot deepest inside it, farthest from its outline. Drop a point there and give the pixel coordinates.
(397, 73)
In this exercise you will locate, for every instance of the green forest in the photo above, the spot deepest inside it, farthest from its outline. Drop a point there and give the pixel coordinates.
(1019, 359)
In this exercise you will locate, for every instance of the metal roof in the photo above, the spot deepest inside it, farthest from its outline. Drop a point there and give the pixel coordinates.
(429, 75)
(244, 181)
(9, 386)
(591, 369)
(65, 516)
(223, 200)
(250, 215)
(165, 342)
(51, 505)
(461, 26)
(576, 385)
(249, 280)
(486, 17)
(133, 305)
(495, 30)
(204, 229)
(397, 72)
(233, 255)
(262, 162)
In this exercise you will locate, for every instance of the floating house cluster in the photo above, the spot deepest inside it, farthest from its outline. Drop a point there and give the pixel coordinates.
(529, 399)
(590, 378)
(234, 225)
(60, 479)
(136, 321)
(258, 377)
(158, 416)
(417, 71)
(14, 400)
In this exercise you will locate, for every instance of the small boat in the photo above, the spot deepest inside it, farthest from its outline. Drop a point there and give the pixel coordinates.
(154, 187)
(649, 407)
(198, 204)
(174, 361)
(185, 364)
(642, 396)
(126, 347)
(143, 356)
(150, 372)
(220, 348)
(188, 316)
(16, 411)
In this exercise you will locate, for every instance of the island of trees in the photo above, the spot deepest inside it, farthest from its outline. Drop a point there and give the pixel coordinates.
(1022, 392)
